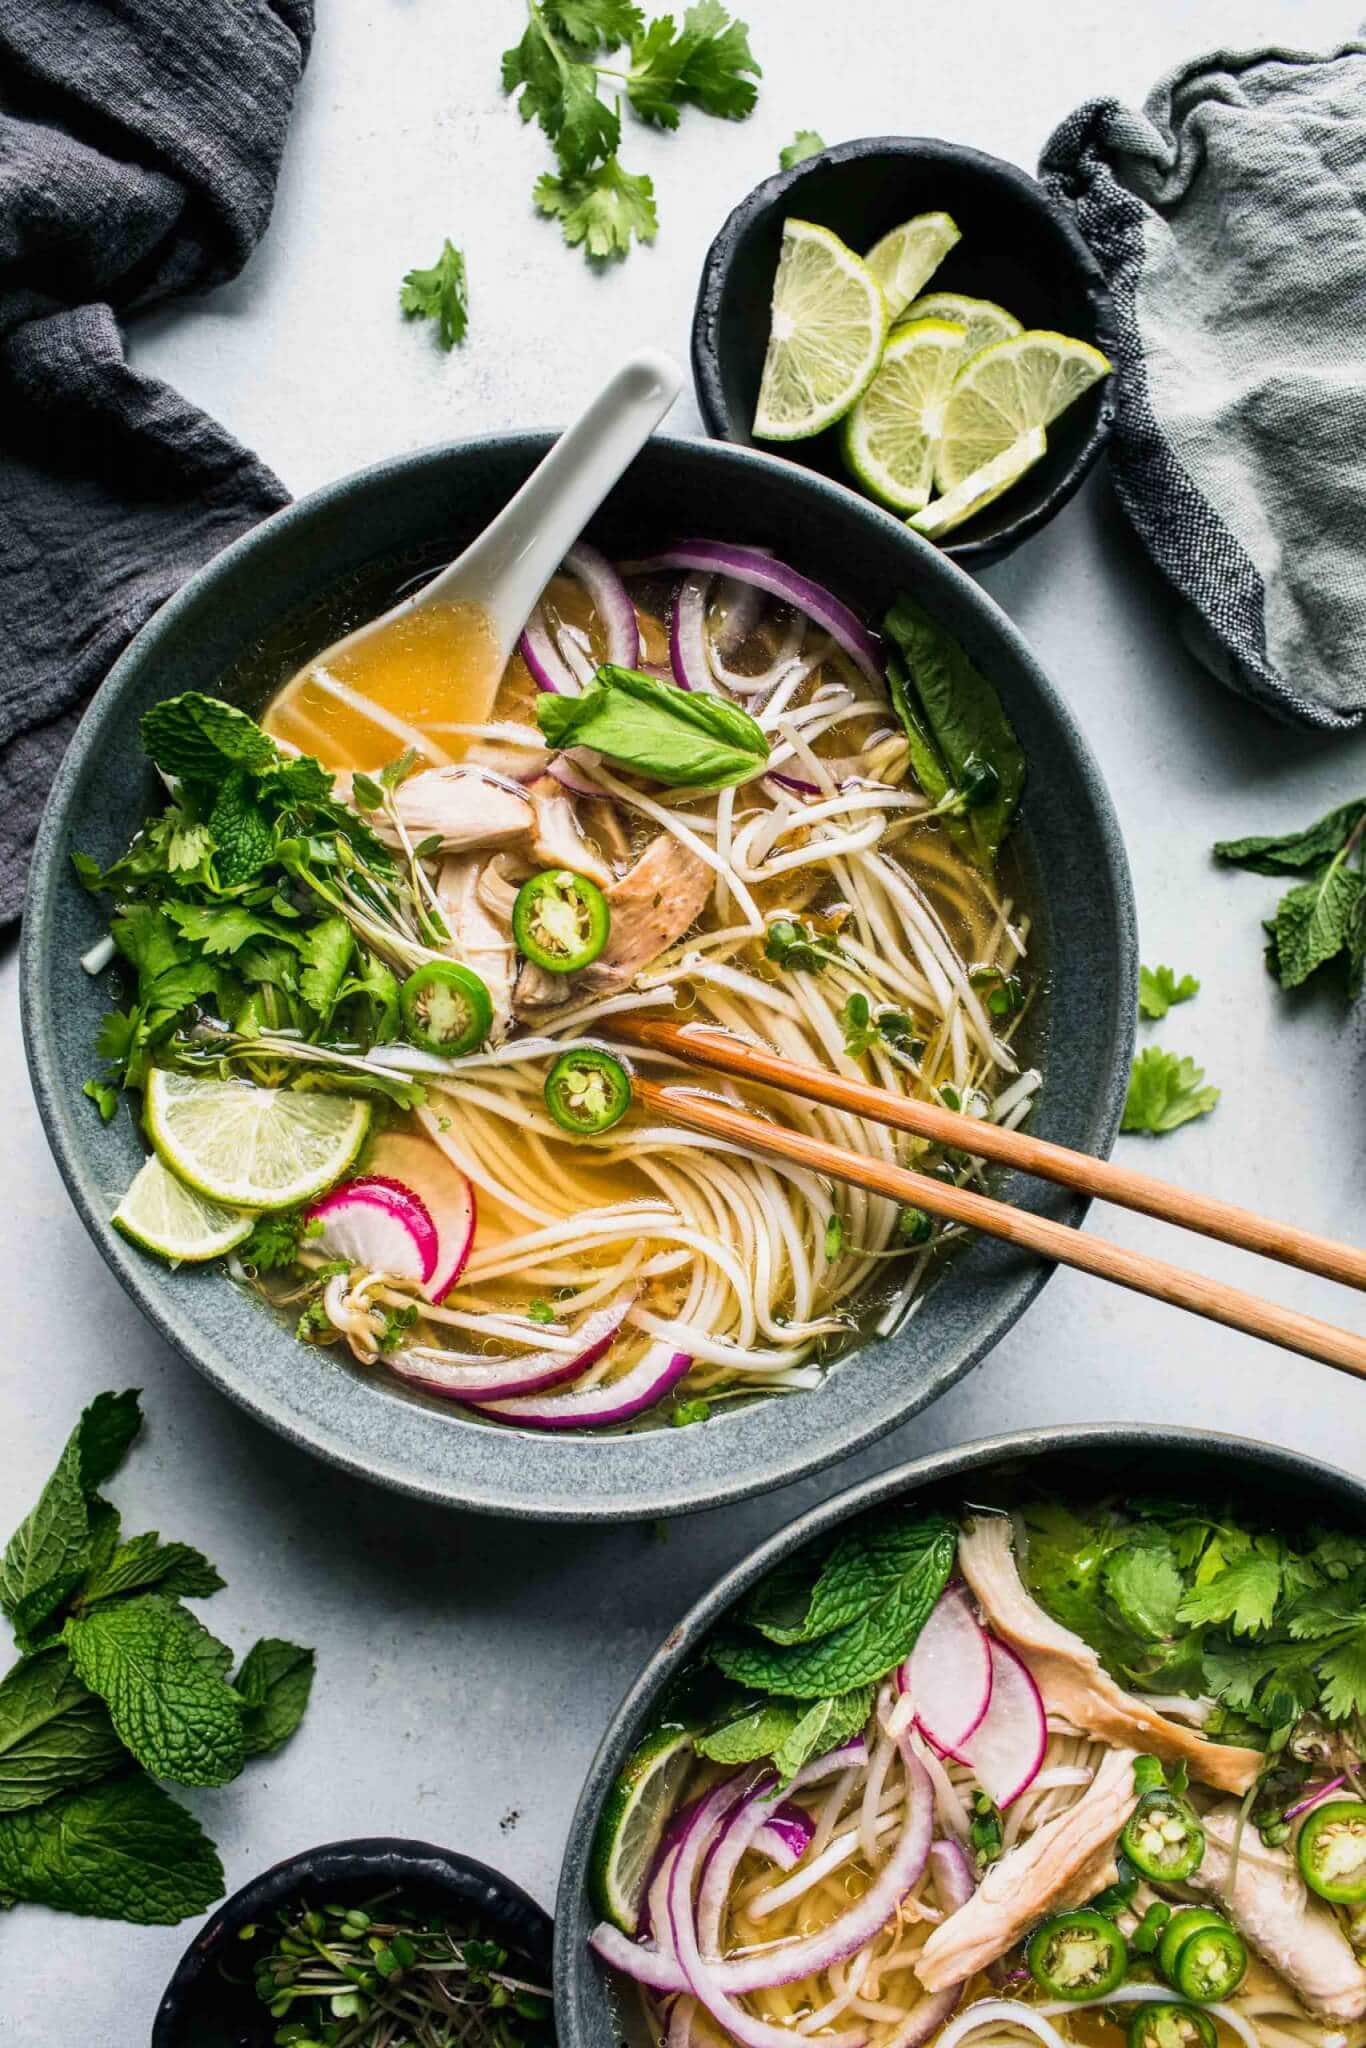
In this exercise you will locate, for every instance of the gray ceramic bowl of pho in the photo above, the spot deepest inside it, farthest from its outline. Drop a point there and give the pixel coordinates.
(1052, 1740)
(330, 972)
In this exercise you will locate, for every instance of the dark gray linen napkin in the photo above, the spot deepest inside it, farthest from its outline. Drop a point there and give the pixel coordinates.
(139, 146)
(1229, 217)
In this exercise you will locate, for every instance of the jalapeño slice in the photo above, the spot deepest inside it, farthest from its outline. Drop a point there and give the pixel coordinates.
(1202, 1955)
(1332, 1851)
(1163, 1838)
(587, 1091)
(1077, 1955)
(560, 920)
(446, 1008)
(1171, 2026)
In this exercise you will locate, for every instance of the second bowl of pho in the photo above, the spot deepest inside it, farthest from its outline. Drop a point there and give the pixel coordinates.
(365, 979)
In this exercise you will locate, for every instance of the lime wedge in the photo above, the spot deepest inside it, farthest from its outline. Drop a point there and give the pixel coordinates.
(1007, 390)
(164, 1216)
(633, 1821)
(984, 320)
(904, 260)
(979, 489)
(825, 343)
(254, 1148)
(889, 437)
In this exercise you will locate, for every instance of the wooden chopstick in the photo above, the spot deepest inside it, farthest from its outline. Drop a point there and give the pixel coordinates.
(1069, 1247)
(705, 1046)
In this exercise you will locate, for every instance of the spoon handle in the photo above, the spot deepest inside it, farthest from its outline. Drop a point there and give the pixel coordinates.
(508, 567)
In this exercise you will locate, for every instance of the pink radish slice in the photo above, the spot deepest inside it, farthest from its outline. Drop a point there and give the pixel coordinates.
(463, 1375)
(444, 1191)
(596, 1407)
(1005, 1751)
(949, 1672)
(377, 1222)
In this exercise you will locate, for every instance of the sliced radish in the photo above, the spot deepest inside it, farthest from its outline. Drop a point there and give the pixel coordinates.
(948, 1673)
(596, 1407)
(444, 1191)
(1005, 1751)
(378, 1223)
(473, 1375)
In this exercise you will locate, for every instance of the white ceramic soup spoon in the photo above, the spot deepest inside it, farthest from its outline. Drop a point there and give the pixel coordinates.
(471, 614)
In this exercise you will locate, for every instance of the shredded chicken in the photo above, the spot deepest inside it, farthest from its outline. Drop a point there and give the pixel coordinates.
(463, 807)
(479, 938)
(557, 841)
(1062, 1864)
(652, 905)
(1270, 1904)
(1070, 1676)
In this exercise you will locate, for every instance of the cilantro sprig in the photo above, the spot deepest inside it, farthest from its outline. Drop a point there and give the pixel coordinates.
(119, 1685)
(1321, 922)
(563, 82)
(440, 294)
(1166, 1089)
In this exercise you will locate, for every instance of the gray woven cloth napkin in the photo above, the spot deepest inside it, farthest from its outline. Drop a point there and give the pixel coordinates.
(139, 146)
(1230, 220)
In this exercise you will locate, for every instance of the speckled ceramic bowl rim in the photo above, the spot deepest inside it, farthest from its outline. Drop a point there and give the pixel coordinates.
(774, 190)
(379, 1859)
(574, 1967)
(517, 1480)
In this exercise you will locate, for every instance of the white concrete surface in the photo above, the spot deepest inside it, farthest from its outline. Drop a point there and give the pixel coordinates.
(466, 1667)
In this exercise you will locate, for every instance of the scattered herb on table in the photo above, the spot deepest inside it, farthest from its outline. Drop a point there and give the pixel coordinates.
(118, 1685)
(439, 294)
(382, 1975)
(558, 72)
(804, 143)
(1178, 1599)
(1322, 919)
(1166, 1090)
(1159, 990)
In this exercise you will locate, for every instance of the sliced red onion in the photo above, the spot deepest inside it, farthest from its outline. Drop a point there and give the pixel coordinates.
(1012, 2012)
(954, 1886)
(949, 1672)
(597, 1407)
(1313, 1797)
(567, 770)
(376, 1222)
(461, 1375)
(786, 1836)
(1005, 1751)
(448, 1196)
(688, 635)
(954, 1882)
(610, 600)
(738, 1834)
(748, 565)
(549, 669)
(680, 2032)
(655, 1968)
(741, 606)
(793, 782)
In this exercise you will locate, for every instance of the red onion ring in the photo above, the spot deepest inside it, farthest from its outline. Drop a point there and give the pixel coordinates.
(462, 1374)
(739, 1831)
(610, 600)
(1313, 1797)
(748, 565)
(954, 1885)
(786, 1837)
(688, 635)
(597, 1407)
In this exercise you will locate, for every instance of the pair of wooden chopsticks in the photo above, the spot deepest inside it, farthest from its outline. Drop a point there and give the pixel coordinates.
(704, 1046)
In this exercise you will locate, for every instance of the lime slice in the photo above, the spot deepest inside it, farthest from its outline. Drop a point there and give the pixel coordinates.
(1005, 391)
(979, 489)
(633, 1821)
(889, 437)
(164, 1216)
(904, 260)
(255, 1148)
(984, 320)
(829, 324)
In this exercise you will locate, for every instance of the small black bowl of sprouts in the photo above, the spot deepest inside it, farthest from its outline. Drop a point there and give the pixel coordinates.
(375, 1943)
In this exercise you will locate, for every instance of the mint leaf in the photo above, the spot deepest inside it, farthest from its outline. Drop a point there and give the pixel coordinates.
(901, 1567)
(124, 1850)
(824, 1726)
(1291, 851)
(178, 1569)
(601, 210)
(1165, 1092)
(198, 738)
(53, 1733)
(275, 1680)
(164, 1678)
(805, 143)
(243, 836)
(48, 1552)
(751, 1735)
(105, 1434)
(1316, 922)
(439, 294)
(1158, 989)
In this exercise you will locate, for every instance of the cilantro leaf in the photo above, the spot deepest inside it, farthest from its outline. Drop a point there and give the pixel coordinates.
(1165, 1092)
(1146, 1588)
(439, 294)
(594, 24)
(164, 1678)
(54, 1734)
(1342, 1673)
(601, 210)
(705, 64)
(275, 1680)
(220, 928)
(1287, 852)
(104, 1097)
(274, 1241)
(804, 143)
(123, 1849)
(325, 951)
(1159, 989)
(1244, 1594)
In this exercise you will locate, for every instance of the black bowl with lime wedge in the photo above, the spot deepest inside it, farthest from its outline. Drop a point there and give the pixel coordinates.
(1018, 249)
